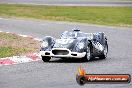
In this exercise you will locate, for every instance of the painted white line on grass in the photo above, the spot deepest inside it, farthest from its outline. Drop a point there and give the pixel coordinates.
(22, 35)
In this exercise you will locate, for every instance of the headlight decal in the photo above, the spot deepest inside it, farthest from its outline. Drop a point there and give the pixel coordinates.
(80, 46)
(44, 44)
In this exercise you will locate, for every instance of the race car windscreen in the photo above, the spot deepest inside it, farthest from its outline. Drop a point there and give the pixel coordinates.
(67, 34)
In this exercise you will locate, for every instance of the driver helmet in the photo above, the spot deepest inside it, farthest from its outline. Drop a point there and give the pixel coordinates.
(76, 29)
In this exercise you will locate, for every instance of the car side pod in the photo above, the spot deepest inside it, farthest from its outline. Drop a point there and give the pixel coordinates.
(83, 78)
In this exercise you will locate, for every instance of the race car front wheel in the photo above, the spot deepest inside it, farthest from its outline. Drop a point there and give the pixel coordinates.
(88, 56)
(46, 58)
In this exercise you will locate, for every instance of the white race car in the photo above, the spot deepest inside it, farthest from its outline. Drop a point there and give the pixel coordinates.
(75, 44)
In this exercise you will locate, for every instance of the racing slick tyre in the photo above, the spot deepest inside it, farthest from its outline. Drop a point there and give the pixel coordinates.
(88, 55)
(46, 58)
(104, 55)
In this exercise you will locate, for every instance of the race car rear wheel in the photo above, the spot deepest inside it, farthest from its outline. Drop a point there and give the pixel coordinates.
(46, 58)
(104, 55)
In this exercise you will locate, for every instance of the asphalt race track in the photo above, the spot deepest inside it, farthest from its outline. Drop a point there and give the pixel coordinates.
(73, 2)
(61, 73)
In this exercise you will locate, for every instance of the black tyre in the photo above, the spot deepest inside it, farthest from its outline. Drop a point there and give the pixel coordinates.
(88, 56)
(46, 58)
(104, 55)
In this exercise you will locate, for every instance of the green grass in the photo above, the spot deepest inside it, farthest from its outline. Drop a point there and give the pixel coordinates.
(6, 51)
(117, 16)
(11, 44)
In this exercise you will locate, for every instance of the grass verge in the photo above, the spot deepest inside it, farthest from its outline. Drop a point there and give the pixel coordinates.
(115, 16)
(11, 44)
